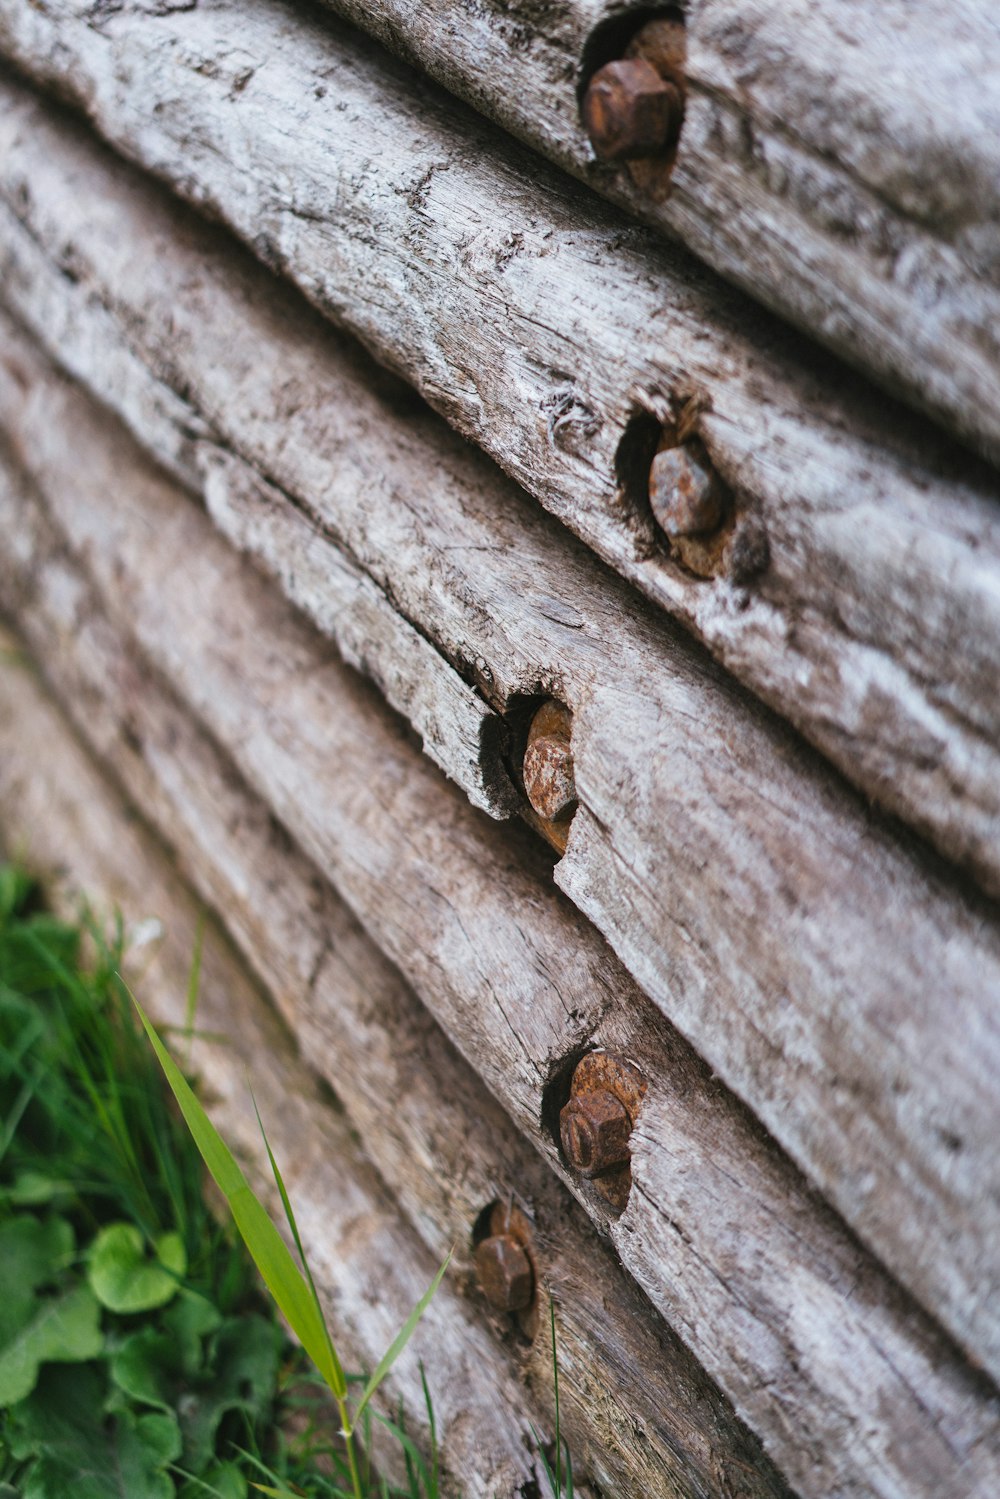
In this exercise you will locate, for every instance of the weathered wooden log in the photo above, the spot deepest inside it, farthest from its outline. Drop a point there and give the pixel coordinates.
(369, 1264)
(884, 559)
(504, 608)
(838, 162)
(718, 1226)
(644, 1417)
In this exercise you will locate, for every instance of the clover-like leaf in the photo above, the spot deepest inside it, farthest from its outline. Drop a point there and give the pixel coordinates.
(125, 1278)
(156, 1365)
(78, 1450)
(36, 1329)
(63, 1329)
(33, 1252)
(239, 1374)
(241, 1377)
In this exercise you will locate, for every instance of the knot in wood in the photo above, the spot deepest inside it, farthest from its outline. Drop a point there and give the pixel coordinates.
(685, 495)
(630, 112)
(594, 1129)
(504, 1273)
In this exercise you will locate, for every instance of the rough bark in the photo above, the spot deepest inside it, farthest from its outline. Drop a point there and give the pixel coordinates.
(369, 1264)
(719, 1225)
(875, 629)
(641, 1415)
(839, 162)
(760, 880)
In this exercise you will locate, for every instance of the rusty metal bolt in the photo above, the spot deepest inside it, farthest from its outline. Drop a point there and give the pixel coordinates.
(594, 1129)
(548, 777)
(505, 1273)
(684, 493)
(630, 112)
(547, 767)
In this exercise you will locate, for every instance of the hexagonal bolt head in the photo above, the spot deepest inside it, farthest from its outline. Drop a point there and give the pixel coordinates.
(549, 781)
(684, 493)
(594, 1129)
(630, 112)
(505, 1273)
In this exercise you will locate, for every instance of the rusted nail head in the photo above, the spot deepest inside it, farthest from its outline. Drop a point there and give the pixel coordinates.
(549, 781)
(505, 1273)
(684, 493)
(630, 112)
(594, 1129)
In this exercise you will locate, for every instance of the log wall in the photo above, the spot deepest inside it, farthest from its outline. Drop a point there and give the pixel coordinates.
(301, 624)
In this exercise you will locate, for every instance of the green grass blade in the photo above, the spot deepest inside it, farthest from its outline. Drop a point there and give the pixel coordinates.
(294, 1229)
(432, 1492)
(400, 1341)
(549, 1475)
(416, 1468)
(268, 1249)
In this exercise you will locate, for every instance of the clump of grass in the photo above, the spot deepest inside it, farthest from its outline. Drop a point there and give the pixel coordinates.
(137, 1356)
(150, 1356)
(292, 1287)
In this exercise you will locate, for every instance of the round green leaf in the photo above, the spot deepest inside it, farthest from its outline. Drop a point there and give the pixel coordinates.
(125, 1277)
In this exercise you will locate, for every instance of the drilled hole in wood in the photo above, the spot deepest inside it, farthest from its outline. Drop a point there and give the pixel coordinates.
(555, 1093)
(633, 459)
(590, 1108)
(632, 92)
(506, 1265)
(677, 506)
(611, 38)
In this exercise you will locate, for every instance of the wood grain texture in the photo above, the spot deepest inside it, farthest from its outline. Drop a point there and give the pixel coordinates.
(58, 812)
(541, 330)
(641, 1416)
(719, 1225)
(752, 829)
(837, 161)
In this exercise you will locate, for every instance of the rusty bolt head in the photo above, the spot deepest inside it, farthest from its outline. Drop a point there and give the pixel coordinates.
(684, 493)
(594, 1129)
(505, 1273)
(630, 112)
(549, 782)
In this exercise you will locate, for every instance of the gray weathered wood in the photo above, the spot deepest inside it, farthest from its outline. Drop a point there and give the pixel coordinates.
(437, 1137)
(718, 1226)
(838, 161)
(884, 558)
(519, 612)
(57, 811)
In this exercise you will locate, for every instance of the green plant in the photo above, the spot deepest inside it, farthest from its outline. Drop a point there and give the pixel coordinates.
(294, 1290)
(132, 1343)
(137, 1357)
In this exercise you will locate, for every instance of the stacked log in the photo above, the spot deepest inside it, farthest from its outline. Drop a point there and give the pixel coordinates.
(693, 812)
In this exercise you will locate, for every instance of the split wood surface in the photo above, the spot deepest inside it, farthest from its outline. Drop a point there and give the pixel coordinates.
(794, 940)
(548, 334)
(839, 161)
(719, 1226)
(369, 1264)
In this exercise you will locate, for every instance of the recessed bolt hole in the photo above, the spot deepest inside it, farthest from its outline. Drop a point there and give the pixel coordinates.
(632, 94)
(595, 1122)
(677, 505)
(504, 1259)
